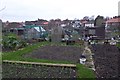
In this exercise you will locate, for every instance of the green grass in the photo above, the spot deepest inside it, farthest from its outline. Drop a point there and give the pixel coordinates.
(0, 58)
(16, 55)
(83, 72)
(118, 45)
(64, 44)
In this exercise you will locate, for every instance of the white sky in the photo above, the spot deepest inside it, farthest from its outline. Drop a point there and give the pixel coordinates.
(22, 10)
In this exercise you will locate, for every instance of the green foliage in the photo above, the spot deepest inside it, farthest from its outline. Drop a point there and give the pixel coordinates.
(11, 41)
(118, 44)
(17, 55)
(22, 44)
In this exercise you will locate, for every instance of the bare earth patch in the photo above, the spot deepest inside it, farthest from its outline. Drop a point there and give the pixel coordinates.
(61, 53)
(106, 61)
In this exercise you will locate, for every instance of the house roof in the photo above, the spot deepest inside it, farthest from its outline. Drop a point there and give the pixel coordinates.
(113, 20)
(45, 22)
(84, 22)
(12, 25)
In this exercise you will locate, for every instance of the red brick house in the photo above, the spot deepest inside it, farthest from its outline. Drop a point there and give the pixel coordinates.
(113, 22)
(113, 27)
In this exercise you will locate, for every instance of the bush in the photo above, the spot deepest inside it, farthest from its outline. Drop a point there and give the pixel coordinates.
(12, 42)
(22, 44)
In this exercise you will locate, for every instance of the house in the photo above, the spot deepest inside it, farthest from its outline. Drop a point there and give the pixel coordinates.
(83, 22)
(113, 27)
(54, 23)
(13, 27)
(66, 22)
(76, 23)
(87, 23)
(113, 22)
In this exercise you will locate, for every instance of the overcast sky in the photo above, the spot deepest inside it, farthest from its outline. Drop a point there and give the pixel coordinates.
(22, 10)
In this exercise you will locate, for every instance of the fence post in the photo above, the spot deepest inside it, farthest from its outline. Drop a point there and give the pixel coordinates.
(0, 49)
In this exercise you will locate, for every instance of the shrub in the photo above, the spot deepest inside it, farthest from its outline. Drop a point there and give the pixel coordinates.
(12, 42)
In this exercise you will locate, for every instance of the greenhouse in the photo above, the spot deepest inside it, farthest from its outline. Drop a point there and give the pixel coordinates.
(35, 32)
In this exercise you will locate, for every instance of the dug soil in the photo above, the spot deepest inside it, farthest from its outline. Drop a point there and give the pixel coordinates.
(59, 53)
